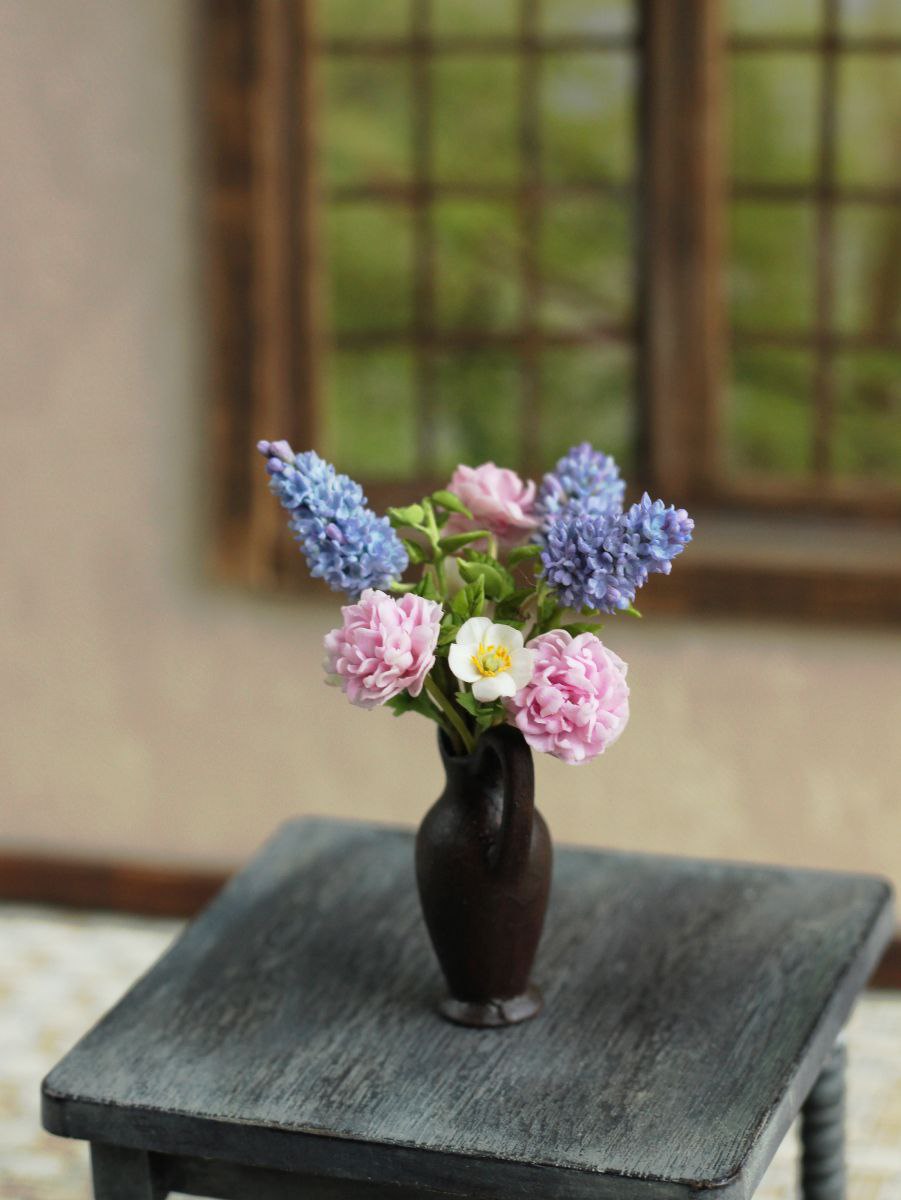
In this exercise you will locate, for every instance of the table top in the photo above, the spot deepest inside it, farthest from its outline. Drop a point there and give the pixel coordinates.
(689, 1007)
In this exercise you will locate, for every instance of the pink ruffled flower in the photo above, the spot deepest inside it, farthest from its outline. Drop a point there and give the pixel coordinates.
(385, 647)
(498, 500)
(577, 701)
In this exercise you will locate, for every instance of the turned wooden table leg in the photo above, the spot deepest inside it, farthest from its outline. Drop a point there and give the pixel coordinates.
(124, 1174)
(823, 1133)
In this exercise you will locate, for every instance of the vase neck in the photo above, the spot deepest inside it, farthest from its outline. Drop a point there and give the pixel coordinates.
(464, 772)
(481, 772)
(498, 780)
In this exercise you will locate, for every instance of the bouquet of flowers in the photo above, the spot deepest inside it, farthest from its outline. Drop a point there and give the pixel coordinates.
(501, 624)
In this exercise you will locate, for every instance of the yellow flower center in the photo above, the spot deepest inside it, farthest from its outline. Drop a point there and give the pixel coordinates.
(491, 660)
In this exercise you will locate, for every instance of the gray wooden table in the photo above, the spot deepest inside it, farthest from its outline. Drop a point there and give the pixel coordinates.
(288, 1044)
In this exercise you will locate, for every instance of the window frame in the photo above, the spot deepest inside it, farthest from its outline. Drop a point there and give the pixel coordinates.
(268, 334)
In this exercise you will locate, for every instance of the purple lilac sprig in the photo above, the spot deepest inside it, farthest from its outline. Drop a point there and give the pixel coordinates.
(344, 541)
(599, 560)
(587, 563)
(656, 533)
(584, 480)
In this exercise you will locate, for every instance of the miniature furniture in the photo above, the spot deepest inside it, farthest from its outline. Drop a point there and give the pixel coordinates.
(288, 1044)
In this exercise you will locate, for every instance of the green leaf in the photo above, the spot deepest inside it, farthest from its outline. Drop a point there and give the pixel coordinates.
(469, 601)
(471, 571)
(416, 553)
(508, 580)
(401, 589)
(521, 553)
(476, 593)
(426, 587)
(547, 609)
(409, 517)
(451, 502)
(405, 703)
(507, 610)
(468, 702)
(498, 582)
(485, 714)
(632, 611)
(450, 627)
(460, 605)
(456, 541)
(488, 717)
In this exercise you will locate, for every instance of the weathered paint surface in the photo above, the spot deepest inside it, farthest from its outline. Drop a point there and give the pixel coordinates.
(690, 1006)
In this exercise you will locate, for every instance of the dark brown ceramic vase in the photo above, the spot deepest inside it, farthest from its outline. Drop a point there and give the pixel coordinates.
(483, 866)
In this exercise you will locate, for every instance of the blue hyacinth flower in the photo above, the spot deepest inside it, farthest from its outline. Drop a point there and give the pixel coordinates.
(344, 542)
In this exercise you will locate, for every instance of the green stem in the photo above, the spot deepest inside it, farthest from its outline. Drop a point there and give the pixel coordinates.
(451, 713)
(439, 574)
(430, 525)
(533, 601)
(541, 591)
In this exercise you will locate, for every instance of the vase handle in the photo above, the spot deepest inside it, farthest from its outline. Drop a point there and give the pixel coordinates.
(518, 775)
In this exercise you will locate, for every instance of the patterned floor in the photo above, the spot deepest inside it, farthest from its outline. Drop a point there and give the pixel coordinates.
(60, 971)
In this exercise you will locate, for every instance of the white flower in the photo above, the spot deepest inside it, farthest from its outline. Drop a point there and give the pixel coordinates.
(492, 658)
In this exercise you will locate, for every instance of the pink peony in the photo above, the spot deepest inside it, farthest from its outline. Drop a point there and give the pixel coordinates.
(577, 701)
(385, 647)
(498, 500)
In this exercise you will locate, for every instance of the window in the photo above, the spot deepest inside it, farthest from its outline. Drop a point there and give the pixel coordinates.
(451, 230)
(477, 177)
(815, 261)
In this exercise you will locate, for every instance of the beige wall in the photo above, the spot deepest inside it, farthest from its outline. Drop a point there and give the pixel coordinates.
(146, 712)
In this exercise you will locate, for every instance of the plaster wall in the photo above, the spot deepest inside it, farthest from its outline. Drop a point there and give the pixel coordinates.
(146, 712)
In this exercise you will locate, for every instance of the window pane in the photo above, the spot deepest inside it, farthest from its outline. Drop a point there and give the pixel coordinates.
(869, 119)
(476, 265)
(870, 17)
(868, 269)
(350, 18)
(585, 251)
(477, 414)
(588, 16)
(771, 265)
(366, 114)
(474, 17)
(774, 16)
(770, 419)
(369, 267)
(588, 127)
(867, 439)
(587, 395)
(371, 421)
(773, 106)
(475, 118)
(587, 267)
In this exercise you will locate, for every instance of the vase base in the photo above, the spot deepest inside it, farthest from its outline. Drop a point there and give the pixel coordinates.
(493, 1014)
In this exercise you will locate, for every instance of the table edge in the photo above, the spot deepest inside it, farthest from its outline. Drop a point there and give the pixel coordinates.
(814, 1055)
(157, 1130)
(171, 1132)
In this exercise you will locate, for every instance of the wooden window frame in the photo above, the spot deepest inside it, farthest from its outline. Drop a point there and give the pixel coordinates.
(267, 342)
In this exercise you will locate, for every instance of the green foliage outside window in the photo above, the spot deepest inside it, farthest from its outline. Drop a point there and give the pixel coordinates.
(583, 249)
